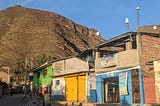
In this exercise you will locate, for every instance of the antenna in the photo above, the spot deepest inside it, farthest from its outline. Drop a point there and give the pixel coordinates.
(127, 24)
(138, 16)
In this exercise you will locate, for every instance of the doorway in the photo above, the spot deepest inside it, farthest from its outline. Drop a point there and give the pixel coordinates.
(135, 86)
(111, 90)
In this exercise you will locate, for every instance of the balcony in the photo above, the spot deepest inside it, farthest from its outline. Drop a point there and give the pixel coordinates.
(128, 58)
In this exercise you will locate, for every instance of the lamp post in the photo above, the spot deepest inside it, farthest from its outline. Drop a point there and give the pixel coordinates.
(25, 90)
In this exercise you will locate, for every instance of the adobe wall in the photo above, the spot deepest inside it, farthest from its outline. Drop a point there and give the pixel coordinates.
(150, 50)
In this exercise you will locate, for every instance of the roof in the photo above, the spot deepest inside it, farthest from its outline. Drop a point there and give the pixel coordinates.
(114, 39)
(67, 74)
(49, 63)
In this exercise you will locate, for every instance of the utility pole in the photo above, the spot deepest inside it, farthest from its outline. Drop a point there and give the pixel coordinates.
(25, 92)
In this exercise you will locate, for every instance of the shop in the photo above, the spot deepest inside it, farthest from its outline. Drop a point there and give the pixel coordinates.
(73, 87)
(121, 86)
(72, 81)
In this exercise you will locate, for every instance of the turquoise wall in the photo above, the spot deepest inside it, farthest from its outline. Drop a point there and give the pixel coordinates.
(124, 99)
(99, 82)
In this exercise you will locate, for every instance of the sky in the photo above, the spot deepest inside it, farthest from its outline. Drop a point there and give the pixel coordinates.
(105, 16)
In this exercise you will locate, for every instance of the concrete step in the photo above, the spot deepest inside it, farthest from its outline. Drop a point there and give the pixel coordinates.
(66, 103)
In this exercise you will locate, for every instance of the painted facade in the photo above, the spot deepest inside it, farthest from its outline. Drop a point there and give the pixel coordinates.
(58, 88)
(117, 87)
(42, 79)
(126, 53)
(72, 80)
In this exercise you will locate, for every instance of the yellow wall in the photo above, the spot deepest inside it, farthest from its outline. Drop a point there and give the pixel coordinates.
(71, 88)
(81, 88)
(76, 88)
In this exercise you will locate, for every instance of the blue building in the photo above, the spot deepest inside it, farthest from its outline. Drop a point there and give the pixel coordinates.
(119, 79)
(122, 73)
(120, 86)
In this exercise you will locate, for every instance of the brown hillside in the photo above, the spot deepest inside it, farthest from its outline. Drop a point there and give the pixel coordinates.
(30, 33)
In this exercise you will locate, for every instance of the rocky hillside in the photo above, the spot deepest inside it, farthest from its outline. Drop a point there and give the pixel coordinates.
(36, 34)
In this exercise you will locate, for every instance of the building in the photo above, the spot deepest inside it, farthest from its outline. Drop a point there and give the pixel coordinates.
(72, 80)
(42, 78)
(122, 75)
(67, 79)
(155, 64)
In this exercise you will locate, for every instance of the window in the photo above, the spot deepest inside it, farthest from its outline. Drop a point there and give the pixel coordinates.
(45, 72)
(38, 74)
(57, 82)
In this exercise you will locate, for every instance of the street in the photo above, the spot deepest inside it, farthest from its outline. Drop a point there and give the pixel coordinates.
(15, 100)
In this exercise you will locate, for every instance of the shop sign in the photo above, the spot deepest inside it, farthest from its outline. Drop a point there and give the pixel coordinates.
(123, 83)
(58, 68)
(108, 60)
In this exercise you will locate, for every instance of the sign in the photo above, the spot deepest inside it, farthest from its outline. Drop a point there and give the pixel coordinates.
(108, 60)
(123, 83)
(58, 68)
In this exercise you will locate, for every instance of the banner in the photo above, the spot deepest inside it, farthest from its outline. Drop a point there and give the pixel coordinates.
(108, 60)
(123, 83)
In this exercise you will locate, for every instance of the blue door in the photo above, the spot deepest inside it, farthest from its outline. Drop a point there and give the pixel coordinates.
(93, 96)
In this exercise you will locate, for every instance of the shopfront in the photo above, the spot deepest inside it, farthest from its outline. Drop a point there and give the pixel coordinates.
(124, 87)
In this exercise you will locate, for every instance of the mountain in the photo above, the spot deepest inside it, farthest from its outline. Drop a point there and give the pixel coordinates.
(40, 36)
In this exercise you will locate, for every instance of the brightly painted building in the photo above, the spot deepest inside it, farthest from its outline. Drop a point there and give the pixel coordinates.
(122, 75)
(72, 80)
(42, 78)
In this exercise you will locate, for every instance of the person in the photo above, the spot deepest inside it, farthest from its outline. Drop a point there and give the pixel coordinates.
(27, 90)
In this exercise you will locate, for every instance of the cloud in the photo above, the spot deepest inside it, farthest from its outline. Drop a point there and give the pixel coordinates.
(23, 2)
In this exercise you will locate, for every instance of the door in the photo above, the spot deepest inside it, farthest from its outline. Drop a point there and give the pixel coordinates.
(82, 88)
(135, 87)
(71, 88)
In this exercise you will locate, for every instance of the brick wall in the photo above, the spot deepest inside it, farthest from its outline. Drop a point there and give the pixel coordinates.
(150, 51)
(150, 48)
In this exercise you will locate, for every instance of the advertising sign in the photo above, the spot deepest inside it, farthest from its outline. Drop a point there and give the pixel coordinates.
(58, 68)
(123, 83)
(108, 60)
